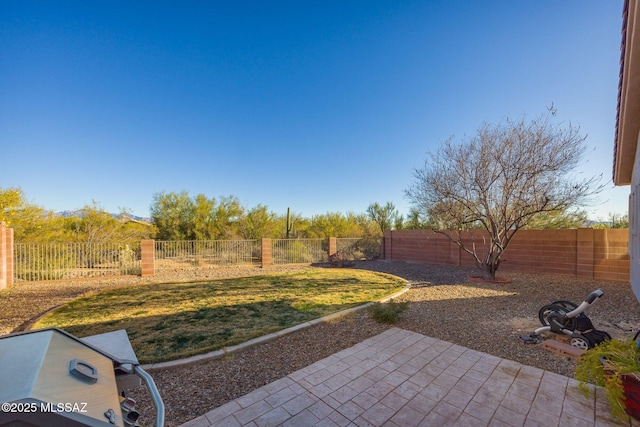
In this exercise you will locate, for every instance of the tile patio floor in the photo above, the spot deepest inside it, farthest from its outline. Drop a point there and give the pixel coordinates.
(402, 378)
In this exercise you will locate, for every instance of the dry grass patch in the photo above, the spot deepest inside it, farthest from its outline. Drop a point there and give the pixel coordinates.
(175, 320)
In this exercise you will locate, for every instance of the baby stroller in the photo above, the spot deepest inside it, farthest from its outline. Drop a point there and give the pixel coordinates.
(568, 318)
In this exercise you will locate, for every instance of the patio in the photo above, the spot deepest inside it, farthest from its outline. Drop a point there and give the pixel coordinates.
(403, 378)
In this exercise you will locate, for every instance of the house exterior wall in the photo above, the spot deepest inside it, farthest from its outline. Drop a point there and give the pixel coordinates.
(634, 226)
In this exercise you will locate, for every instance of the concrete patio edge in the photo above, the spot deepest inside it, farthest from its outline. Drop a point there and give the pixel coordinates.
(217, 354)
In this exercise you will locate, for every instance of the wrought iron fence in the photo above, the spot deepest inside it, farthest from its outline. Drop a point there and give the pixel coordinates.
(355, 249)
(298, 251)
(59, 261)
(192, 254)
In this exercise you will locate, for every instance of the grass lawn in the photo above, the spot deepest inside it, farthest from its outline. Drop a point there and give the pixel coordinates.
(175, 320)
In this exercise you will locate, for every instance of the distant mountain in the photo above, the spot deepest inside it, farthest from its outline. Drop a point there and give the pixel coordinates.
(78, 213)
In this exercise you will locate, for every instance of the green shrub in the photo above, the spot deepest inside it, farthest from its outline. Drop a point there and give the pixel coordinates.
(387, 312)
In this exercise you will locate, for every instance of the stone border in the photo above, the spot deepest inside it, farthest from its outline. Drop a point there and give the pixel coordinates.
(218, 354)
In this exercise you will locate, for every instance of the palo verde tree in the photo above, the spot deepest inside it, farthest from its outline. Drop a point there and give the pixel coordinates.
(499, 179)
(386, 216)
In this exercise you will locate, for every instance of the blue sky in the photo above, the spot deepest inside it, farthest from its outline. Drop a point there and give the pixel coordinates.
(323, 106)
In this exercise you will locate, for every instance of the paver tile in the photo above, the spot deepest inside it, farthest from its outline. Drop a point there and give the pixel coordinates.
(337, 381)
(445, 380)
(229, 421)
(278, 385)
(578, 409)
(395, 378)
(331, 402)
(468, 385)
(402, 379)
(380, 389)
(319, 376)
(339, 419)
(551, 404)
(516, 404)
(302, 419)
(434, 392)
(360, 384)
(281, 397)
(365, 400)
(448, 410)
(320, 390)
(407, 389)
(480, 411)
(510, 416)
(407, 416)
(350, 410)
(422, 404)
(272, 418)
(299, 403)
(522, 390)
(436, 419)
(320, 409)
(197, 422)
(252, 412)
(458, 398)
(378, 414)
(542, 418)
(344, 394)
(222, 411)
(422, 378)
(253, 397)
(394, 401)
(467, 420)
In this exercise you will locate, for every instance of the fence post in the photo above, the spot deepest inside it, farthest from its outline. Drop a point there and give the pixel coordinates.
(388, 243)
(333, 247)
(148, 257)
(266, 253)
(3, 256)
(6, 256)
(10, 263)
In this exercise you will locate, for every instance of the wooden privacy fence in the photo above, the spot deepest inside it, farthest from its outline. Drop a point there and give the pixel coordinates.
(601, 254)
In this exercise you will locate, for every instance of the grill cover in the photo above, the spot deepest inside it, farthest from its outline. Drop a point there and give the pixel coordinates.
(66, 381)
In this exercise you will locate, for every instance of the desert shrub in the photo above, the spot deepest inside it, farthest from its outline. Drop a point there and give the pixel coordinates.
(387, 312)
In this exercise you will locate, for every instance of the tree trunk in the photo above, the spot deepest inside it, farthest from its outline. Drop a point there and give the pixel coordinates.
(488, 271)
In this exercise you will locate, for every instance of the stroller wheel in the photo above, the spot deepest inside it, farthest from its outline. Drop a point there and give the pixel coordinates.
(549, 309)
(581, 342)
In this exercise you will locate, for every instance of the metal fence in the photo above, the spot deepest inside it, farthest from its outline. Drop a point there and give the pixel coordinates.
(355, 249)
(59, 261)
(299, 251)
(193, 254)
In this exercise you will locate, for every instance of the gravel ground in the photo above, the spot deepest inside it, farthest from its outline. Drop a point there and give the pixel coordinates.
(443, 304)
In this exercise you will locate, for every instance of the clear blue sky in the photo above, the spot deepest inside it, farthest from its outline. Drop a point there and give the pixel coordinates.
(321, 106)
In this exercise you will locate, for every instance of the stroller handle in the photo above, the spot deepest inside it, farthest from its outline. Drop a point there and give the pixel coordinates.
(594, 296)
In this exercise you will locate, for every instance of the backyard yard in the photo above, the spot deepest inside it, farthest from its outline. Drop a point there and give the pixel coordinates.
(444, 304)
(175, 320)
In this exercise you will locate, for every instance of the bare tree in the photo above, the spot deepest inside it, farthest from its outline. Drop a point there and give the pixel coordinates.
(498, 180)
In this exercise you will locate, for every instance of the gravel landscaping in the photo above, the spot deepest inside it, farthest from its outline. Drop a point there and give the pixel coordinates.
(443, 304)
